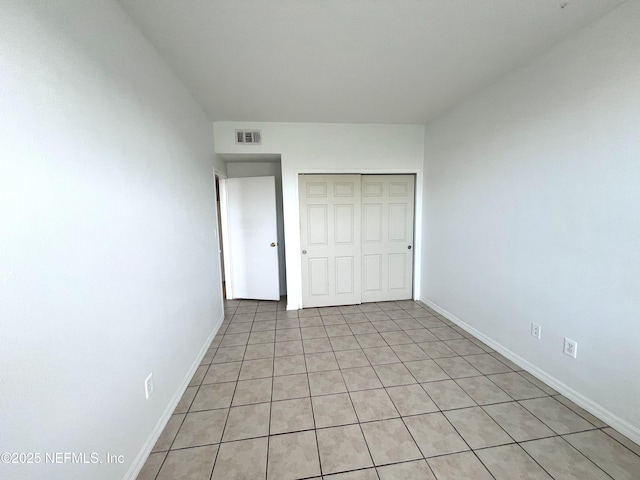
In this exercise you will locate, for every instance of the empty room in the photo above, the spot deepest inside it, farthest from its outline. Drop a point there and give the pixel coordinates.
(305, 239)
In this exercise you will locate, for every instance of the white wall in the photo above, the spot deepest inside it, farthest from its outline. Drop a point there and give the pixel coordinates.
(328, 148)
(108, 257)
(267, 169)
(532, 194)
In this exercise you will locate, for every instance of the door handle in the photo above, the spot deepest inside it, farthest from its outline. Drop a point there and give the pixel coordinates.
(304, 252)
(409, 247)
(273, 244)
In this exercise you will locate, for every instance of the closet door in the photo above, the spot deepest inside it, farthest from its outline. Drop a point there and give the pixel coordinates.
(387, 237)
(330, 239)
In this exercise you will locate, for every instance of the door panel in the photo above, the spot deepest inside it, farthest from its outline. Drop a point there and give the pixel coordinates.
(330, 216)
(387, 204)
(253, 236)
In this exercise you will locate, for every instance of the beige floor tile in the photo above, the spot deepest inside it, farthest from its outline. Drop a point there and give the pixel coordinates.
(394, 374)
(448, 395)
(285, 323)
(289, 365)
(201, 428)
(292, 347)
(426, 371)
(232, 340)
(461, 466)
(396, 338)
(517, 421)
(361, 378)
(291, 416)
(505, 361)
(287, 334)
(259, 351)
(562, 461)
(262, 337)
(347, 342)
(342, 449)
(634, 447)
(457, 367)
(353, 318)
(189, 464)
(389, 441)
(381, 355)
(608, 454)
(437, 349)
(363, 328)
(434, 435)
(224, 372)
(152, 466)
(313, 332)
(464, 347)
(541, 385)
(477, 428)
(486, 364)
(338, 330)
(239, 327)
(445, 333)
(416, 470)
(352, 359)
(516, 386)
(325, 383)
(290, 386)
(310, 322)
(316, 345)
(229, 354)
(320, 362)
(408, 353)
(580, 411)
(169, 433)
(293, 456)
(186, 400)
(333, 410)
(256, 369)
(308, 312)
(252, 391)
(199, 375)
(482, 390)
(215, 395)
(556, 416)
(509, 462)
(411, 400)
(373, 405)
(248, 421)
(371, 340)
(232, 460)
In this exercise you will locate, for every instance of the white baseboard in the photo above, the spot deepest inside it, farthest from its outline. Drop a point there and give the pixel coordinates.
(144, 453)
(622, 426)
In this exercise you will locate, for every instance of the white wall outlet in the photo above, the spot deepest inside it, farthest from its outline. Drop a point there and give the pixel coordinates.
(536, 330)
(148, 386)
(570, 347)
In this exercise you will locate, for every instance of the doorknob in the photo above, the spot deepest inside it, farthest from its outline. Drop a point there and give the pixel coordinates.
(304, 252)
(409, 247)
(273, 244)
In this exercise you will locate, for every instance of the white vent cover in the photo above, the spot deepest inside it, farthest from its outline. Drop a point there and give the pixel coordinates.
(252, 137)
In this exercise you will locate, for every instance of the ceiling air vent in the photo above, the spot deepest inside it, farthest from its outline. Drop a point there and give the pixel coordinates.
(248, 137)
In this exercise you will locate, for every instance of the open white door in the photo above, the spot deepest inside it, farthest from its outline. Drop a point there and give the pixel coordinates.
(253, 237)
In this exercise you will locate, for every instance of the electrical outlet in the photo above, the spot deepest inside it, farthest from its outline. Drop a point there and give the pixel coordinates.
(148, 386)
(570, 347)
(536, 330)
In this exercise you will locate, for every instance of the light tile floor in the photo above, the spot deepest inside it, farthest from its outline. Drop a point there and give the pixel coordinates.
(376, 391)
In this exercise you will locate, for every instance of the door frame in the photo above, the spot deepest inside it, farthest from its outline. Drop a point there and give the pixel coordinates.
(224, 235)
(293, 238)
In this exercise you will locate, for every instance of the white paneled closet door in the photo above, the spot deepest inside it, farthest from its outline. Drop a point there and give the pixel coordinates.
(330, 239)
(387, 237)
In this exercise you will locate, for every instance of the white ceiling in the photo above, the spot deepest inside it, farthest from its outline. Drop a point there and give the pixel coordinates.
(350, 61)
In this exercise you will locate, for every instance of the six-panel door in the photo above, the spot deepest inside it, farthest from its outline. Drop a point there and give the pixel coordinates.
(330, 239)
